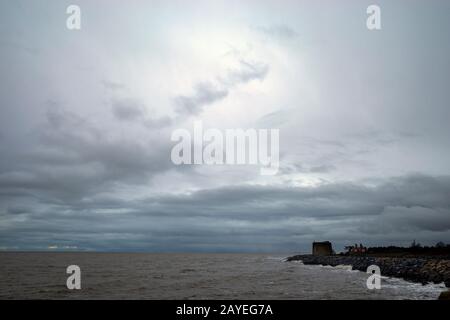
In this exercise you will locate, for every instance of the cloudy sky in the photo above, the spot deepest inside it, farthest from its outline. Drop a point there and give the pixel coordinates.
(86, 118)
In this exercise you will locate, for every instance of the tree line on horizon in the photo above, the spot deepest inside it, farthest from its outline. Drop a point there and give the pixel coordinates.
(415, 248)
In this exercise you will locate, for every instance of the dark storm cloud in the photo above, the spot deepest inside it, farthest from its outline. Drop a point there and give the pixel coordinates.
(273, 218)
(17, 210)
(415, 218)
(338, 200)
(72, 157)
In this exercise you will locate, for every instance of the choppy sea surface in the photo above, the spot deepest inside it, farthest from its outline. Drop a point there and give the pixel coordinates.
(191, 276)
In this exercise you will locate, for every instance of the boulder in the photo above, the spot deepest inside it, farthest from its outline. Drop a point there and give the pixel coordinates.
(445, 295)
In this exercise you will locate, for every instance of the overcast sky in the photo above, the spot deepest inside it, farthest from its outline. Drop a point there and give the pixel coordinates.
(86, 118)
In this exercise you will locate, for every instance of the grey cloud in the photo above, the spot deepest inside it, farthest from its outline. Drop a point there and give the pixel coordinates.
(207, 93)
(417, 218)
(132, 111)
(246, 72)
(14, 46)
(17, 209)
(274, 119)
(204, 94)
(299, 168)
(339, 202)
(279, 31)
(155, 123)
(72, 158)
(344, 112)
(127, 110)
(276, 218)
(113, 86)
(323, 168)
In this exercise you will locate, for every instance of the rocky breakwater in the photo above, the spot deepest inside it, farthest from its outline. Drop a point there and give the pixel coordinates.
(420, 269)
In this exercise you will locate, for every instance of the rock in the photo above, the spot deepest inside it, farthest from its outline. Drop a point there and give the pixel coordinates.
(422, 270)
(445, 295)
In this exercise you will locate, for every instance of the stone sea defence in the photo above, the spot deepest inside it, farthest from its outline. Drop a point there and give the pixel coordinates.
(415, 269)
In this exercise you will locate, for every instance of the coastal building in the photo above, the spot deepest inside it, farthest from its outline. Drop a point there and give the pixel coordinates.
(356, 249)
(322, 248)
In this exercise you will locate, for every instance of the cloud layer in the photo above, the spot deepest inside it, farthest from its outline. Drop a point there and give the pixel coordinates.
(86, 118)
